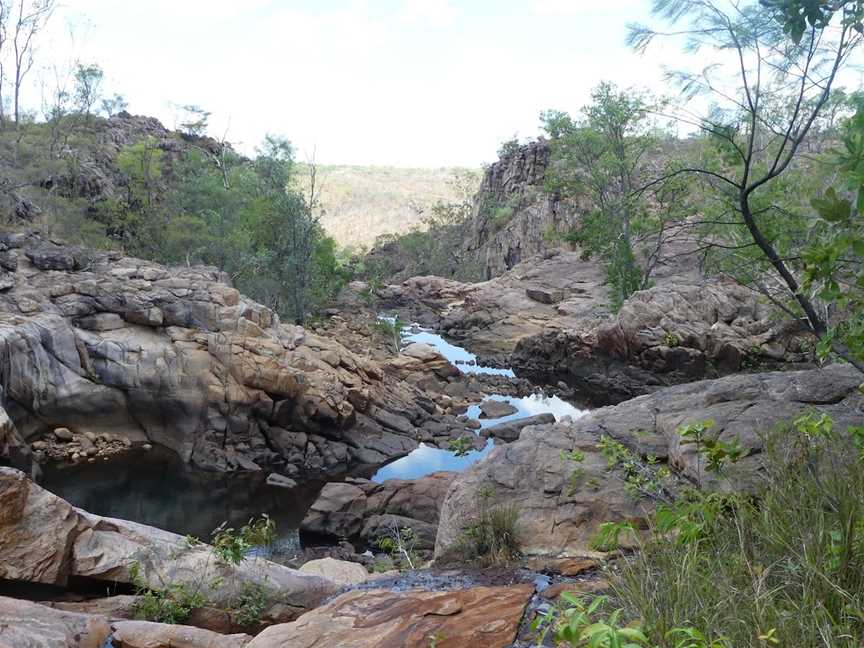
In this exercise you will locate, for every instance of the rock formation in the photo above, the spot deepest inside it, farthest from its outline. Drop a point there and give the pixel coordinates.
(120, 348)
(43, 539)
(562, 504)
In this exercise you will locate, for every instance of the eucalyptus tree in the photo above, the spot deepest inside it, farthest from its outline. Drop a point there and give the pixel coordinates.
(773, 68)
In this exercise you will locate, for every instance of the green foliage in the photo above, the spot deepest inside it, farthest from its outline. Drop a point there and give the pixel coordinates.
(716, 453)
(608, 537)
(171, 604)
(461, 447)
(391, 330)
(642, 478)
(601, 155)
(576, 458)
(582, 624)
(492, 536)
(232, 546)
(400, 544)
(250, 605)
(799, 16)
(784, 568)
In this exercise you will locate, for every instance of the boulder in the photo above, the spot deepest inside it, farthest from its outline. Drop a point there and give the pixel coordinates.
(511, 430)
(30, 625)
(341, 572)
(144, 634)
(363, 510)
(494, 409)
(480, 616)
(562, 503)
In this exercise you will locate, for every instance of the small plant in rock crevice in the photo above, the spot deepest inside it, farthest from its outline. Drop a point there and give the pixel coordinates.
(400, 545)
(491, 536)
(461, 447)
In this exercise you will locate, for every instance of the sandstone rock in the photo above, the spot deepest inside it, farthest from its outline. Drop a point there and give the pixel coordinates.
(560, 511)
(481, 616)
(364, 510)
(341, 572)
(496, 409)
(545, 295)
(29, 625)
(144, 634)
(64, 434)
(45, 540)
(511, 430)
(172, 356)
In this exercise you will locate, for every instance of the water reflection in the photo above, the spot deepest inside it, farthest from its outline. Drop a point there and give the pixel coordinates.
(158, 489)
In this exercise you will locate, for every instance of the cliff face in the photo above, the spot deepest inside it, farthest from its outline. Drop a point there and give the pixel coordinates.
(129, 350)
(514, 217)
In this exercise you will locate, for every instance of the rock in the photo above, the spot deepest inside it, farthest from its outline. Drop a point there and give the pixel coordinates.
(63, 434)
(545, 295)
(25, 625)
(362, 510)
(96, 343)
(511, 430)
(144, 634)
(480, 616)
(388, 525)
(45, 540)
(275, 479)
(337, 512)
(341, 572)
(560, 509)
(496, 409)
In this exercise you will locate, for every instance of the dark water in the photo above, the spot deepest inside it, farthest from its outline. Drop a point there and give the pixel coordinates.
(155, 487)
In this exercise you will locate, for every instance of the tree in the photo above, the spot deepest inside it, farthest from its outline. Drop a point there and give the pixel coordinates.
(115, 104)
(773, 77)
(602, 154)
(193, 120)
(30, 17)
(88, 87)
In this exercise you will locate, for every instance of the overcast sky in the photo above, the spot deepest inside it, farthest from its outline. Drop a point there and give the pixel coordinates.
(381, 82)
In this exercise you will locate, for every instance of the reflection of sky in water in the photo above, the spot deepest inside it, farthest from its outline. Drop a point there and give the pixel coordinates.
(426, 459)
(457, 355)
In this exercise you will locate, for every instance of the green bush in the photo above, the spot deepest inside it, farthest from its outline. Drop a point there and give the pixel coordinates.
(785, 568)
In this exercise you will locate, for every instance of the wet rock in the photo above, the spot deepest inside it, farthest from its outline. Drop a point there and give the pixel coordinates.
(494, 409)
(511, 430)
(24, 624)
(341, 572)
(481, 616)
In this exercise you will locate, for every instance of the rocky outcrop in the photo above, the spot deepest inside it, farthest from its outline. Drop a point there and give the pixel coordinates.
(43, 539)
(364, 511)
(480, 616)
(561, 503)
(144, 634)
(121, 348)
(341, 572)
(513, 215)
(669, 334)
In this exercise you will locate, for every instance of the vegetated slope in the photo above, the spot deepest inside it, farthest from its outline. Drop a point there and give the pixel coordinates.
(360, 203)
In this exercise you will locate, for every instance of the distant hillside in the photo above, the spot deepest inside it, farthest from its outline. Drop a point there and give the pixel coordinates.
(361, 203)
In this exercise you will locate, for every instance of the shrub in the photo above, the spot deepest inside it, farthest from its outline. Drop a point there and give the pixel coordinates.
(492, 536)
(785, 568)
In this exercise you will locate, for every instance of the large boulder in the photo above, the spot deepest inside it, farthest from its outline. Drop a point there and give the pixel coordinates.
(480, 616)
(105, 345)
(43, 539)
(362, 510)
(562, 503)
(30, 625)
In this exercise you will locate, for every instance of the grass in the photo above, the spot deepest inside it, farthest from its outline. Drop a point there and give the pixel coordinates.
(783, 569)
(491, 537)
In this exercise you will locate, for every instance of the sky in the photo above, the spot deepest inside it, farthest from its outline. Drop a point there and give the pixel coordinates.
(419, 83)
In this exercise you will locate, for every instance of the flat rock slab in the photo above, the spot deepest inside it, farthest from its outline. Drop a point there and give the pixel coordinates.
(496, 409)
(144, 634)
(480, 616)
(511, 430)
(341, 572)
